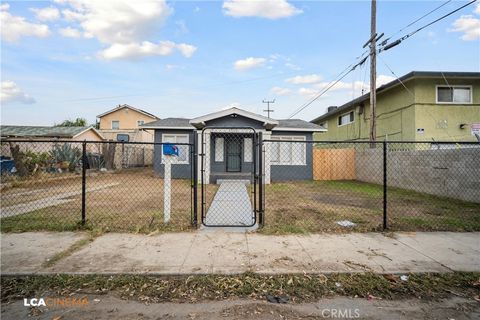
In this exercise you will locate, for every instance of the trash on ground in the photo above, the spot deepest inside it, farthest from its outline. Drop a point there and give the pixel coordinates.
(346, 223)
(404, 278)
(277, 299)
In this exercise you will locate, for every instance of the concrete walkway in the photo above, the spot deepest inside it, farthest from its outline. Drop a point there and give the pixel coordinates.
(201, 253)
(46, 202)
(231, 206)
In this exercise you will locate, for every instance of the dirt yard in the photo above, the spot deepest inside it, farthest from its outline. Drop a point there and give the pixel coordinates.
(132, 200)
(317, 206)
(127, 200)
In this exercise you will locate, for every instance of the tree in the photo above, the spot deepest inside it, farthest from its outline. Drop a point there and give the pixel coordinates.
(79, 122)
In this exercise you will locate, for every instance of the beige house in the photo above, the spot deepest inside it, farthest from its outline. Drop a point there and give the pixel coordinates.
(123, 124)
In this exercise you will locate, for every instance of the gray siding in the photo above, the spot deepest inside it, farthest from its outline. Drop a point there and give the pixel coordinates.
(285, 172)
(179, 171)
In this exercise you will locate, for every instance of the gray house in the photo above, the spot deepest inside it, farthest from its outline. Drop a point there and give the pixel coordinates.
(227, 138)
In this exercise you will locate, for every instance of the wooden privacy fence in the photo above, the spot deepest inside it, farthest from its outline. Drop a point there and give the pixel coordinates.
(334, 164)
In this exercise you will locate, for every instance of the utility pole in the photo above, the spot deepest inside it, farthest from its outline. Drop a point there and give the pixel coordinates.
(373, 70)
(268, 106)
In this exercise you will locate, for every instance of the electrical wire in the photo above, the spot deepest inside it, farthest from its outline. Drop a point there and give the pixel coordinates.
(386, 47)
(331, 84)
(417, 20)
(399, 40)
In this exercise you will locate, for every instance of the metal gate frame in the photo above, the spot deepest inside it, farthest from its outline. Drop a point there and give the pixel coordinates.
(257, 156)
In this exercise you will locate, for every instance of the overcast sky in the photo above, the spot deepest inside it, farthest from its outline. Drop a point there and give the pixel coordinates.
(79, 58)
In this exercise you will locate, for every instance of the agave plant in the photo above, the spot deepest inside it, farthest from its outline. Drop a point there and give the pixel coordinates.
(66, 156)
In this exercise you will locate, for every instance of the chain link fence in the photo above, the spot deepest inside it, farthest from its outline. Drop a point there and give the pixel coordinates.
(115, 186)
(365, 186)
(307, 186)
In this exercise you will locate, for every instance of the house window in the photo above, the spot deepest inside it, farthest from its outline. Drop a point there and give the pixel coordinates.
(123, 137)
(247, 149)
(454, 94)
(346, 118)
(219, 143)
(115, 125)
(288, 153)
(182, 149)
(140, 122)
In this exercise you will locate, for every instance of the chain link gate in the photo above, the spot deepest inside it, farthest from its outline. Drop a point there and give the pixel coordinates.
(230, 176)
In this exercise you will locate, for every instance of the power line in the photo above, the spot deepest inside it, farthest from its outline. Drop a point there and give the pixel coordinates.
(398, 41)
(416, 20)
(385, 47)
(331, 84)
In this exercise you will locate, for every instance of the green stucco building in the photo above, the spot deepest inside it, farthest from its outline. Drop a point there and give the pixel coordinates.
(419, 106)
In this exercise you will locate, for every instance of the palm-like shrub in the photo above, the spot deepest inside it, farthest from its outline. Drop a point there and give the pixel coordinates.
(65, 156)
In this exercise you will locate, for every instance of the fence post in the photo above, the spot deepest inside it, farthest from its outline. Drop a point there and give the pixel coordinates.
(385, 147)
(195, 178)
(260, 180)
(84, 180)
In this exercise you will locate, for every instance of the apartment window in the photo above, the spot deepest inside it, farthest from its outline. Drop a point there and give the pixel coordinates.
(219, 143)
(288, 153)
(140, 122)
(346, 118)
(115, 125)
(454, 94)
(182, 149)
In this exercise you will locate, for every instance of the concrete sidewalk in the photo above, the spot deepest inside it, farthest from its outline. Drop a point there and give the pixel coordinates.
(220, 252)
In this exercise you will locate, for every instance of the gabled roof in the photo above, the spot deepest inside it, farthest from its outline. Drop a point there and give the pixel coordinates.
(407, 77)
(44, 131)
(148, 114)
(169, 123)
(199, 122)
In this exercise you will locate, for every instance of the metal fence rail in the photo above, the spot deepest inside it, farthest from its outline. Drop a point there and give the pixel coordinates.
(116, 186)
(318, 186)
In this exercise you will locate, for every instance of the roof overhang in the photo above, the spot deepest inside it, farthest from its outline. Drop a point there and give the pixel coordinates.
(300, 129)
(199, 122)
(165, 128)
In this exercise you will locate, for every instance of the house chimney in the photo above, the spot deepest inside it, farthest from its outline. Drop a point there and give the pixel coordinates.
(331, 108)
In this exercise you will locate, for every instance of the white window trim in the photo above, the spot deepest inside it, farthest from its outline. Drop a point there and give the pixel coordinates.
(341, 125)
(219, 156)
(139, 124)
(111, 124)
(453, 86)
(176, 135)
(290, 138)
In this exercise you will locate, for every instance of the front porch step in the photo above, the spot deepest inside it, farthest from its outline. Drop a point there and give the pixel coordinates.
(220, 181)
(218, 177)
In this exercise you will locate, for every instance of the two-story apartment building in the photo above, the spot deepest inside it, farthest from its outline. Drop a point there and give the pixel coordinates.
(123, 124)
(419, 106)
